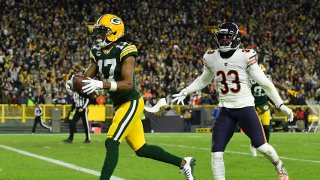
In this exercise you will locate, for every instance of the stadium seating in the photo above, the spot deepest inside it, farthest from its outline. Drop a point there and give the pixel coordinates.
(168, 49)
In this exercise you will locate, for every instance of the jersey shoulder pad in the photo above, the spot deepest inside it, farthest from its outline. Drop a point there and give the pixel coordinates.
(250, 56)
(127, 49)
(206, 57)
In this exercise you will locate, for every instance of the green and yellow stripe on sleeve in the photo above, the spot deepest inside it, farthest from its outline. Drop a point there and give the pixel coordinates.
(92, 56)
(128, 50)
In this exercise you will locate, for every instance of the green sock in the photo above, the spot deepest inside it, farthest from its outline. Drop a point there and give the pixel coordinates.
(111, 159)
(159, 154)
(266, 129)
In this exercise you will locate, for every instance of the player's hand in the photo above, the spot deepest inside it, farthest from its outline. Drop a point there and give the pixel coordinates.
(287, 111)
(92, 85)
(180, 97)
(69, 85)
(218, 80)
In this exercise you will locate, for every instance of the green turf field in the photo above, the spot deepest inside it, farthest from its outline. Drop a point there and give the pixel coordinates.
(299, 151)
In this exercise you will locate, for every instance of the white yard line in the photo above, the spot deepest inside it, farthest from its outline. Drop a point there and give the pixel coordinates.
(58, 162)
(238, 152)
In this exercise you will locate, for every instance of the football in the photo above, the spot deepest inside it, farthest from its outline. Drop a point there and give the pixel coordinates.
(77, 85)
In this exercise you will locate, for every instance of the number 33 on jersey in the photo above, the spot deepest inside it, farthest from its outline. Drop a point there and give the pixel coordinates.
(232, 75)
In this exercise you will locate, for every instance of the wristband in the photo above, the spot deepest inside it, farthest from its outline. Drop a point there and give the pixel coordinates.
(113, 86)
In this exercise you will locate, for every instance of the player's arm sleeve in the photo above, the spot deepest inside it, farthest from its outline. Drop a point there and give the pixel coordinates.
(201, 81)
(257, 74)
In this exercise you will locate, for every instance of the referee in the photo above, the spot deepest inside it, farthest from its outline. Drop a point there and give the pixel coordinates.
(81, 105)
(38, 118)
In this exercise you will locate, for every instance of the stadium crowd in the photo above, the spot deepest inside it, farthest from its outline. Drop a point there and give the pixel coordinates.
(44, 42)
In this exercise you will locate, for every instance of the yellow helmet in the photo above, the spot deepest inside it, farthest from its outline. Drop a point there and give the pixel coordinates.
(108, 29)
(263, 68)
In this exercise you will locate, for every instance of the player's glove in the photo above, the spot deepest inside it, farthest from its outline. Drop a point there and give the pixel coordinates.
(180, 97)
(69, 85)
(218, 80)
(92, 85)
(287, 111)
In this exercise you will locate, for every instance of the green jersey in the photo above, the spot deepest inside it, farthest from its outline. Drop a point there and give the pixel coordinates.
(109, 67)
(260, 97)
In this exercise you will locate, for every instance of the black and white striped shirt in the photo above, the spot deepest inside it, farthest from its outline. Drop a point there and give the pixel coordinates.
(38, 111)
(80, 102)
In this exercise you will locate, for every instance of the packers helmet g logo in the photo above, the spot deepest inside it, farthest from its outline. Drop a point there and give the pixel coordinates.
(116, 21)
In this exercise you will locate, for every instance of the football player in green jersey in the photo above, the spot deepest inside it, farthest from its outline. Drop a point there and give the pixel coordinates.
(113, 57)
(262, 106)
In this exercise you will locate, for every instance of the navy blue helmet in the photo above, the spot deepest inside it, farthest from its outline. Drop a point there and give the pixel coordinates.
(227, 37)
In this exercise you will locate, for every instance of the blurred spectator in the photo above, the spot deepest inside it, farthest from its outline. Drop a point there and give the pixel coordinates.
(2, 62)
(205, 100)
(48, 98)
(305, 118)
(14, 99)
(5, 96)
(39, 98)
(299, 100)
(42, 43)
(186, 115)
(195, 99)
(14, 74)
(108, 99)
(101, 99)
(60, 99)
(30, 99)
(170, 112)
(22, 99)
(300, 114)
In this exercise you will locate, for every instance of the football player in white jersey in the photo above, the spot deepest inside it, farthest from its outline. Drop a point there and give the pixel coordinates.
(232, 68)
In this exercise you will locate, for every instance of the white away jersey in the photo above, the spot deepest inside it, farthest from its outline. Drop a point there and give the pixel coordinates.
(234, 81)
